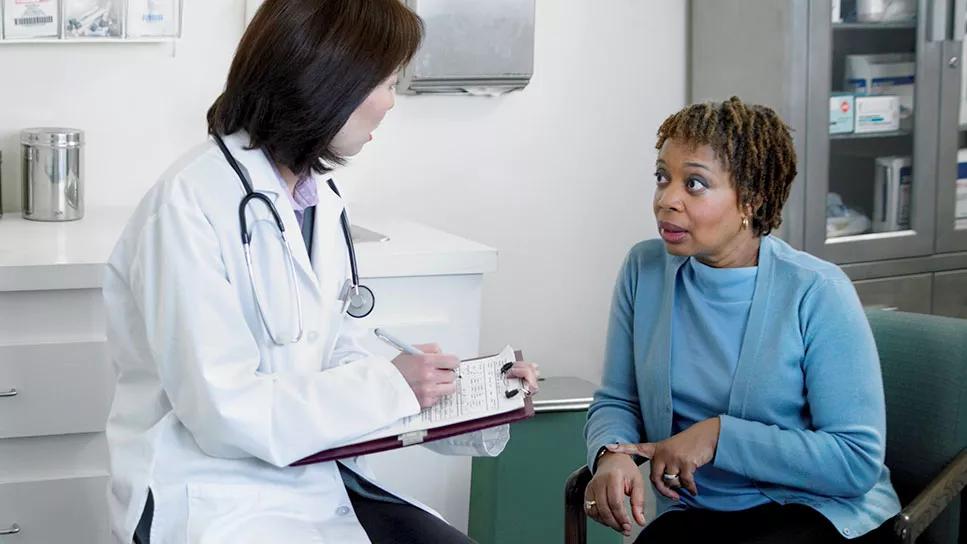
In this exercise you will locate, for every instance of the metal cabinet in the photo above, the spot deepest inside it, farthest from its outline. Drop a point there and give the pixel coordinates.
(950, 293)
(906, 293)
(882, 203)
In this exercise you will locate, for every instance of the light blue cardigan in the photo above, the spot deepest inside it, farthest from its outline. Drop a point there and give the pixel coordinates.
(806, 418)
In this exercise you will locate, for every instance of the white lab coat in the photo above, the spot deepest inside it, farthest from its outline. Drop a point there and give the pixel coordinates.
(208, 412)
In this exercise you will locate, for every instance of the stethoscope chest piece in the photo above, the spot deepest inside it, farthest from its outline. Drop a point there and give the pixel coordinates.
(360, 302)
(357, 300)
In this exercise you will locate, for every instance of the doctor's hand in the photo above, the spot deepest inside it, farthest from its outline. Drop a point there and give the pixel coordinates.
(681, 455)
(529, 372)
(615, 477)
(431, 376)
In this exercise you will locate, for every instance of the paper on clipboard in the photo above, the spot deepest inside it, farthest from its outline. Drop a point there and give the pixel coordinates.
(481, 392)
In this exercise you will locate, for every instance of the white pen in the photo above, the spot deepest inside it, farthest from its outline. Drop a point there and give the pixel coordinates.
(396, 342)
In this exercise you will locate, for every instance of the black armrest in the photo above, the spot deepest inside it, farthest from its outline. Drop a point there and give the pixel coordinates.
(575, 522)
(922, 510)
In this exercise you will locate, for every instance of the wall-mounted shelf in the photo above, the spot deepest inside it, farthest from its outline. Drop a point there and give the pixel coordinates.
(72, 41)
(91, 21)
(867, 135)
(876, 26)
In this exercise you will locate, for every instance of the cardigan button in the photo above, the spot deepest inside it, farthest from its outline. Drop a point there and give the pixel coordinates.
(846, 531)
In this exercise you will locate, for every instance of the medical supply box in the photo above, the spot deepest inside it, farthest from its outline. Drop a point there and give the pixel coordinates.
(892, 74)
(877, 114)
(892, 187)
(841, 113)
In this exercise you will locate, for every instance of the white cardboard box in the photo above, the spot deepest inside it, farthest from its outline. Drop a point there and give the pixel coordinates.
(24, 19)
(877, 114)
(960, 208)
(891, 201)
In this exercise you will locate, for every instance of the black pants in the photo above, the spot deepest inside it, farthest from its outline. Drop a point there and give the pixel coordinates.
(391, 523)
(384, 523)
(767, 524)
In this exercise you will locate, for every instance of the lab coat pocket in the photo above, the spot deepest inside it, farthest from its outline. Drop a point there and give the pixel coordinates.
(243, 514)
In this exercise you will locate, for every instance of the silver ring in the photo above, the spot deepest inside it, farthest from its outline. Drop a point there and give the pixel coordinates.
(589, 504)
(669, 477)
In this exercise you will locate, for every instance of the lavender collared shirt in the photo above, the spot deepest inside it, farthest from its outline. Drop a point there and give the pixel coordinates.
(305, 194)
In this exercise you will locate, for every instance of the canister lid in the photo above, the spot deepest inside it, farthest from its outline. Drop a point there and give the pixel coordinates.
(52, 137)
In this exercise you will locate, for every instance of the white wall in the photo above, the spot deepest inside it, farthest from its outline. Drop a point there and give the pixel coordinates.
(557, 177)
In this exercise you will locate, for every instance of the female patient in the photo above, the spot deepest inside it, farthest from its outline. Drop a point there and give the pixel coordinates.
(744, 369)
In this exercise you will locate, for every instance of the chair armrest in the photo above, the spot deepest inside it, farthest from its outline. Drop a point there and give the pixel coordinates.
(925, 507)
(575, 522)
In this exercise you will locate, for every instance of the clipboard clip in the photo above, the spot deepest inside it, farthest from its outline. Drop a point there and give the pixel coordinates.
(411, 438)
(511, 393)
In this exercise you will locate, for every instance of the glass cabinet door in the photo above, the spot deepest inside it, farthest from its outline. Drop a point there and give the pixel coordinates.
(952, 149)
(872, 130)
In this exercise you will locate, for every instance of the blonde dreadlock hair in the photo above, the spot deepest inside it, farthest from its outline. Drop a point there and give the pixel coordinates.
(753, 143)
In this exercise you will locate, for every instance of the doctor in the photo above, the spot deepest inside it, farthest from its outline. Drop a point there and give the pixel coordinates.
(234, 342)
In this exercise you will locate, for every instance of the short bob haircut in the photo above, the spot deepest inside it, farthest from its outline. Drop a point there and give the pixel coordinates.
(753, 143)
(302, 68)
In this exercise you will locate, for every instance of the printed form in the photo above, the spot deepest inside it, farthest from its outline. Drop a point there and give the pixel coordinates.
(481, 391)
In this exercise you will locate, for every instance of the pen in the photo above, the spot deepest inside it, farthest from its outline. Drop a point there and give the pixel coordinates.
(396, 342)
(401, 345)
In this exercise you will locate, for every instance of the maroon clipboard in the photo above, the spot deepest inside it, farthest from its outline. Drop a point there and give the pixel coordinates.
(438, 433)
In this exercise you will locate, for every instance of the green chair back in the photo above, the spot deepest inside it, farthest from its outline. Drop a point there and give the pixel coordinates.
(924, 362)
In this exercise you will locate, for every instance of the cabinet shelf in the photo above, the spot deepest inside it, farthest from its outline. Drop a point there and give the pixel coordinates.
(71, 41)
(867, 135)
(910, 25)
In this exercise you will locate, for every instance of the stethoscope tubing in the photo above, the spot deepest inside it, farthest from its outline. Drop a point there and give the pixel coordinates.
(359, 292)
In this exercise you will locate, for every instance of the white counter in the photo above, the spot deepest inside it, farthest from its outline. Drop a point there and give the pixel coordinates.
(37, 256)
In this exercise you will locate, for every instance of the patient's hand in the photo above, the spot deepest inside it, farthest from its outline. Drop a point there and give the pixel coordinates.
(680, 455)
(616, 476)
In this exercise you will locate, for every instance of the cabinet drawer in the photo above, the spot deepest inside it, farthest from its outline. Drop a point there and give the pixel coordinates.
(50, 389)
(950, 293)
(54, 457)
(53, 511)
(50, 316)
(904, 293)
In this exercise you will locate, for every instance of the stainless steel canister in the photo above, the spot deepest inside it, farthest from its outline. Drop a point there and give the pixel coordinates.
(53, 166)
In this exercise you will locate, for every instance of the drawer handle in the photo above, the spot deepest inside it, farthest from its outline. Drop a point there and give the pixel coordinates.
(11, 531)
(11, 393)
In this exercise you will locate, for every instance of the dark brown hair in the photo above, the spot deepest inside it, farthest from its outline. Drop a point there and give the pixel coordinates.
(302, 68)
(752, 142)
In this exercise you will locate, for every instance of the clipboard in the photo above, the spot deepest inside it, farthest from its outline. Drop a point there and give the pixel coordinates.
(421, 437)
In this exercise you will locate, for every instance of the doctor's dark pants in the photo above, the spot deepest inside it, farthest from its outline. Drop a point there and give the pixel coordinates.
(384, 523)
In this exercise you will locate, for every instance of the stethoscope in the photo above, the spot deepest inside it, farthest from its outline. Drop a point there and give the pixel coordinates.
(357, 300)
